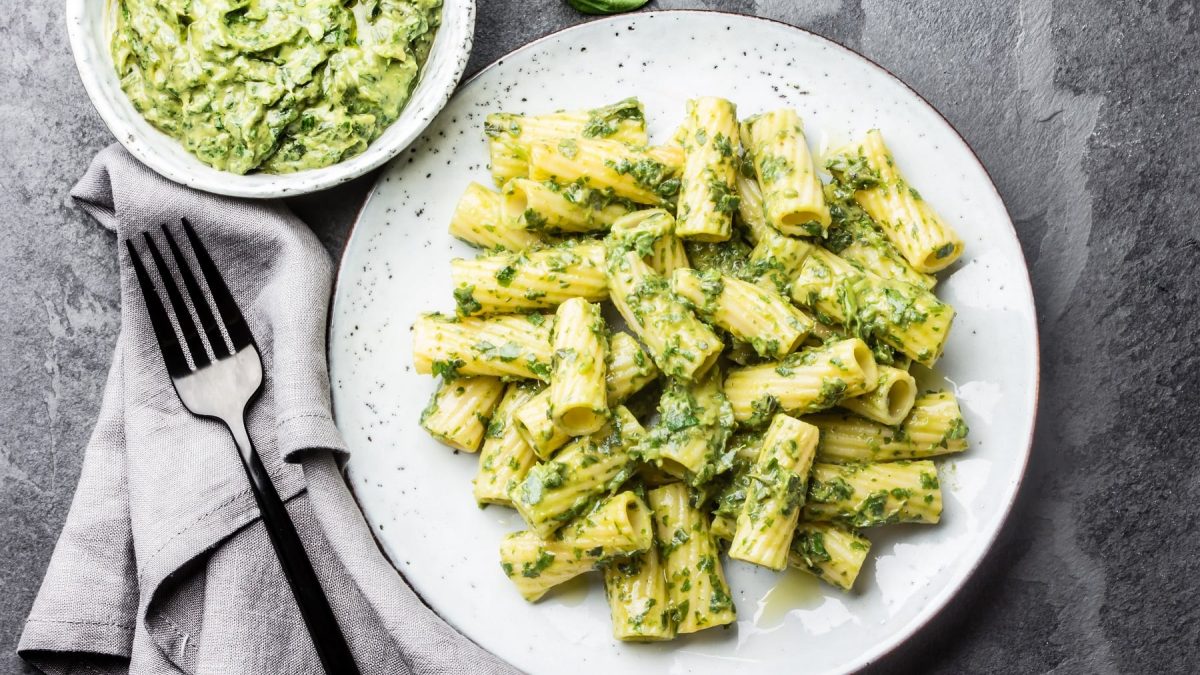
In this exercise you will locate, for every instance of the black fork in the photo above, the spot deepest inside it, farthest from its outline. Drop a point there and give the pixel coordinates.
(218, 381)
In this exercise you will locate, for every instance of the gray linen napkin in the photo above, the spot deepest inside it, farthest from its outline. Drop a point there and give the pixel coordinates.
(163, 565)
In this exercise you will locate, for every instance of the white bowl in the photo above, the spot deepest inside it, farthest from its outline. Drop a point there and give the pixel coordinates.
(89, 29)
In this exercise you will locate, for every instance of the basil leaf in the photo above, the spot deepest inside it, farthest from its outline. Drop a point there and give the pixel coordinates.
(606, 6)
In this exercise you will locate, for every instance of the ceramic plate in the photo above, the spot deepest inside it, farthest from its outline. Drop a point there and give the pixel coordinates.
(417, 494)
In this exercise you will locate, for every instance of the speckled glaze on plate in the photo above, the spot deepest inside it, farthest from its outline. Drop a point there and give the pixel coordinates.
(89, 28)
(416, 493)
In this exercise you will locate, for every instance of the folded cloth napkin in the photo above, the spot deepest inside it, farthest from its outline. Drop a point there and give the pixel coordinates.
(163, 565)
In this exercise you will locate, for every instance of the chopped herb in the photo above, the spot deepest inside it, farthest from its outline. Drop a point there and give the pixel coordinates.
(773, 167)
(447, 370)
(534, 570)
(464, 297)
(504, 275)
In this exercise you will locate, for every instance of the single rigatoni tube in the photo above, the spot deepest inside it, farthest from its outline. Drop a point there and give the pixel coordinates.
(708, 197)
(779, 481)
(628, 369)
(699, 595)
(558, 490)
(618, 526)
(458, 412)
(477, 220)
(681, 345)
(925, 240)
(502, 346)
(651, 232)
(855, 237)
(907, 318)
(578, 393)
(546, 206)
(760, 317)
(880, 493)
(890, 401)
(511, 136)
(643, 175)
(933, 427)
(793, 199)
(805, 382)
(829, 552)
(636, 589)
(695, 421)
(505, 457)
(529, 280)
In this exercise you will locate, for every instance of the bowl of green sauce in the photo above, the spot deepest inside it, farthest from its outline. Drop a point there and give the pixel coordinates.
(268, 98)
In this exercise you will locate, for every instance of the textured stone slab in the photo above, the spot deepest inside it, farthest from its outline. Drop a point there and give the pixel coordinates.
(1085, 115)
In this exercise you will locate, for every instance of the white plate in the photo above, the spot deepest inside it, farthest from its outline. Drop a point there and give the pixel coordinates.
(417, 494)
(89, 28)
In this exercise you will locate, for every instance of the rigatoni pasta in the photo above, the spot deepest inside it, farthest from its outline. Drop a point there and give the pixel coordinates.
(873, 494)
(891, 399)
(511, 137)
(479, 221)
(578, 395)
(793, 199)
(775, 494)
(907, 318)
(650, 232)
(807, 381)
(627, 370)
(695, 421)
(934, 426)
(926, 241)
(639, 174)
(757, 316)
(681, 345)
(830, 552)
(546, 206)
(707, 196)
(505, 457)
(776, 260)
(503, 346)
(636, 589)
(618, 526)
(558, 490)
(529, 280)
(698, 594)
(773, 319)
(855, 237)
(459, 411)
(750, 200)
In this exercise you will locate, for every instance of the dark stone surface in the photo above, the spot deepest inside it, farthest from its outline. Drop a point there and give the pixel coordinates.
(1086, 114)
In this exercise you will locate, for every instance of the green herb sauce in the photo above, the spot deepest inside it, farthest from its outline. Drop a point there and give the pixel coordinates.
(272, 85)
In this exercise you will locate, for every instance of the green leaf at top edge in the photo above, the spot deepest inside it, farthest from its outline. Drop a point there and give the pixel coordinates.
(606, 6)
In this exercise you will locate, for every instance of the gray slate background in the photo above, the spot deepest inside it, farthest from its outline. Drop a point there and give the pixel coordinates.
(1086, 114)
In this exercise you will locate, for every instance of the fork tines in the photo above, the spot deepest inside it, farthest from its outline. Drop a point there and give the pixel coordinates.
(177, 353)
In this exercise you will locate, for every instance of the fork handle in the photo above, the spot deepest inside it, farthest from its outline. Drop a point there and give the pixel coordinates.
(318, 616)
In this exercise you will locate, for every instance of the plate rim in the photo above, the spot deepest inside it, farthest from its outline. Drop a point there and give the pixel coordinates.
(956, 585)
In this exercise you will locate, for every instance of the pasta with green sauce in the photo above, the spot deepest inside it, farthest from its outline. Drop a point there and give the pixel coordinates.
(674, 358)
(273, 87)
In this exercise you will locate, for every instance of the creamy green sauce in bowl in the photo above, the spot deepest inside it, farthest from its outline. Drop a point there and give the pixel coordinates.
(274, 86)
